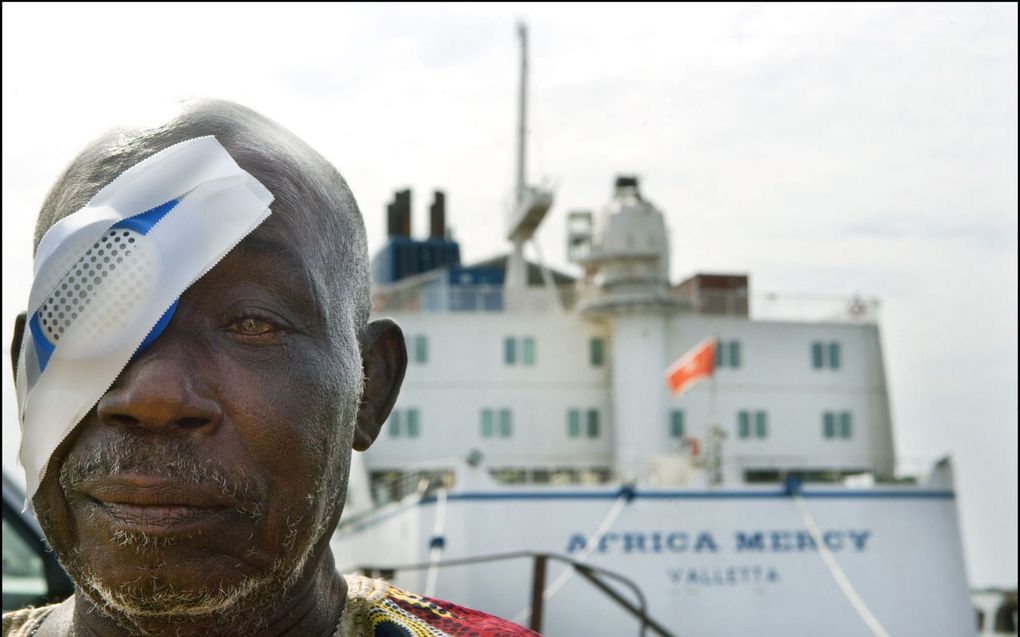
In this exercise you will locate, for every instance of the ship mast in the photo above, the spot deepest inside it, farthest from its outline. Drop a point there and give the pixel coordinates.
(530, 203)
(522, 117)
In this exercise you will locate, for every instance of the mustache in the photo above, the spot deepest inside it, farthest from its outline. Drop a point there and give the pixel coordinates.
(174, 459)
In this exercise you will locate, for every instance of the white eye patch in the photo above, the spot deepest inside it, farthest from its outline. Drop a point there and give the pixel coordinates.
(107, 279)
(115, 278)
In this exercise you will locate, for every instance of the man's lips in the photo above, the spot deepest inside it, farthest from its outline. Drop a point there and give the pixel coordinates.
(157, 506)
(156, 519)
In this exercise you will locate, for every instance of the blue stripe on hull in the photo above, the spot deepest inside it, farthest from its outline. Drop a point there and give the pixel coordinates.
(918, 494)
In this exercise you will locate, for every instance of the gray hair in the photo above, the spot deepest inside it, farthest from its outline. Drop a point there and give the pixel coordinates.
(298, 176)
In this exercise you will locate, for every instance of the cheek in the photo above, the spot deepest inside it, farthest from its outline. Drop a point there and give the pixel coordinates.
(293, 414)
(50, 503)
(54, 515)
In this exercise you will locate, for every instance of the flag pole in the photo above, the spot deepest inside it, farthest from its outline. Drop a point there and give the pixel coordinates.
(692, 368)
(713, 416)
(713, 441)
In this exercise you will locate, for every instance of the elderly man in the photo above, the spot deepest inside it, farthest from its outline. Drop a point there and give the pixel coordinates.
(194, 368)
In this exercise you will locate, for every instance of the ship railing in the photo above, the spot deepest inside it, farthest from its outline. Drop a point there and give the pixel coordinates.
(472, 298)
(783, 306)
(596, 576)
(853, 471)
(814, 307)
(915, 466)
(393, 486)
(765, 306)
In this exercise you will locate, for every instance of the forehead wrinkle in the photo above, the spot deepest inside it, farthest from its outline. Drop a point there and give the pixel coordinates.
(259, 247)
(316, 236)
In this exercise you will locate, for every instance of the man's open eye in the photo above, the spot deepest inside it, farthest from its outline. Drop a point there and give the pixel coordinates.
(252, 326)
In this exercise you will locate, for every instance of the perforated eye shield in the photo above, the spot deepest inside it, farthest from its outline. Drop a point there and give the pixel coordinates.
(107, 279)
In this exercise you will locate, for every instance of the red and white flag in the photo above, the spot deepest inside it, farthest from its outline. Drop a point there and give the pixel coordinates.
(693, 366)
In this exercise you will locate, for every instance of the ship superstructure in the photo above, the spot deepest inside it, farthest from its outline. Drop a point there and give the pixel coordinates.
(564, 383)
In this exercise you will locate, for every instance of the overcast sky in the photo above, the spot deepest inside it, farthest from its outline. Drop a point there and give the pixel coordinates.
(823, 150)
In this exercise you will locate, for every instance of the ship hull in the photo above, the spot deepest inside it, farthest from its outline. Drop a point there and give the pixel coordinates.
(710, 563)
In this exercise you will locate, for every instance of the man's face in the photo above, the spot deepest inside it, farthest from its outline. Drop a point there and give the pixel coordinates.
(215, 465)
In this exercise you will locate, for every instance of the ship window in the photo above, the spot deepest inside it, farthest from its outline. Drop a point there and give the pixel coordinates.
(394, 423)
(834, 355)
(829, 424)
(413, 423)
(505, 423)
(837, 425)
(743, 424)
(826, 355)
(421, 349)
(734, 352)
(508, 475)
(528, 350)
(761, 428)
(574, 423)
(593, 423)
(486, 423)
(510, 350)
(676, 423)
(817, 356)
(727, 354)
(845, 429)
(596, 353)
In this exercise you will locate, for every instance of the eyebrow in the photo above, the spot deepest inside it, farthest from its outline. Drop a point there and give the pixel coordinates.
(252, 247)
(255, 246)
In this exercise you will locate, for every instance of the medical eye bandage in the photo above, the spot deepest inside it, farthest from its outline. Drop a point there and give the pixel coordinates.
(107, 279)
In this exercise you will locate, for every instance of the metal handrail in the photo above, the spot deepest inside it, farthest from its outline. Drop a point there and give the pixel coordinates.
(423, 293)
(588, 572)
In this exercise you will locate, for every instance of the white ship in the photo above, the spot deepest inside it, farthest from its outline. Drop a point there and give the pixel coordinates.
(535, 419)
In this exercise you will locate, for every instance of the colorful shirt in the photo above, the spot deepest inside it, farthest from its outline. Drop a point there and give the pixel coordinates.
(374, 609)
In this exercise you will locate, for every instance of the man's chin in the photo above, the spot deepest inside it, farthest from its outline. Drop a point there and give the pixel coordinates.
(160, 600)
(149, 599)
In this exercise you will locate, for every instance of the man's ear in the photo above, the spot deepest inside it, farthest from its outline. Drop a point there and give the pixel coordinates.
(19, 333)
(384, 358)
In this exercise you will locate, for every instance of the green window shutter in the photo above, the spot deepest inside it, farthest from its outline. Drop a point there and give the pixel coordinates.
(817, 356)
(596, 355)
(834, 355)
(528, 353)
(395, 423)
(845, 428)
(486, 423)
(412, 423)
(743, 424)
(505, 423)
(761, 425)
(510, 350)
(676, 423)
(421, 349)
(734, 354)
(829, 424)
(593, 423)
(719, 362)
(574, 423)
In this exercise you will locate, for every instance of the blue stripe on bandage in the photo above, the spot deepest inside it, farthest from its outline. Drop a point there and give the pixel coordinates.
(144, 222)
(141, 223)
(158, 328)
(43, 348)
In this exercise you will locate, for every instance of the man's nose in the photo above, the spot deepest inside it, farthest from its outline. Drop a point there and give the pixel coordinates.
(160, 391)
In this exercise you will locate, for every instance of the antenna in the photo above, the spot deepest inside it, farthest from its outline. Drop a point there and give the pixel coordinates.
(530, 203)
(522, 116)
